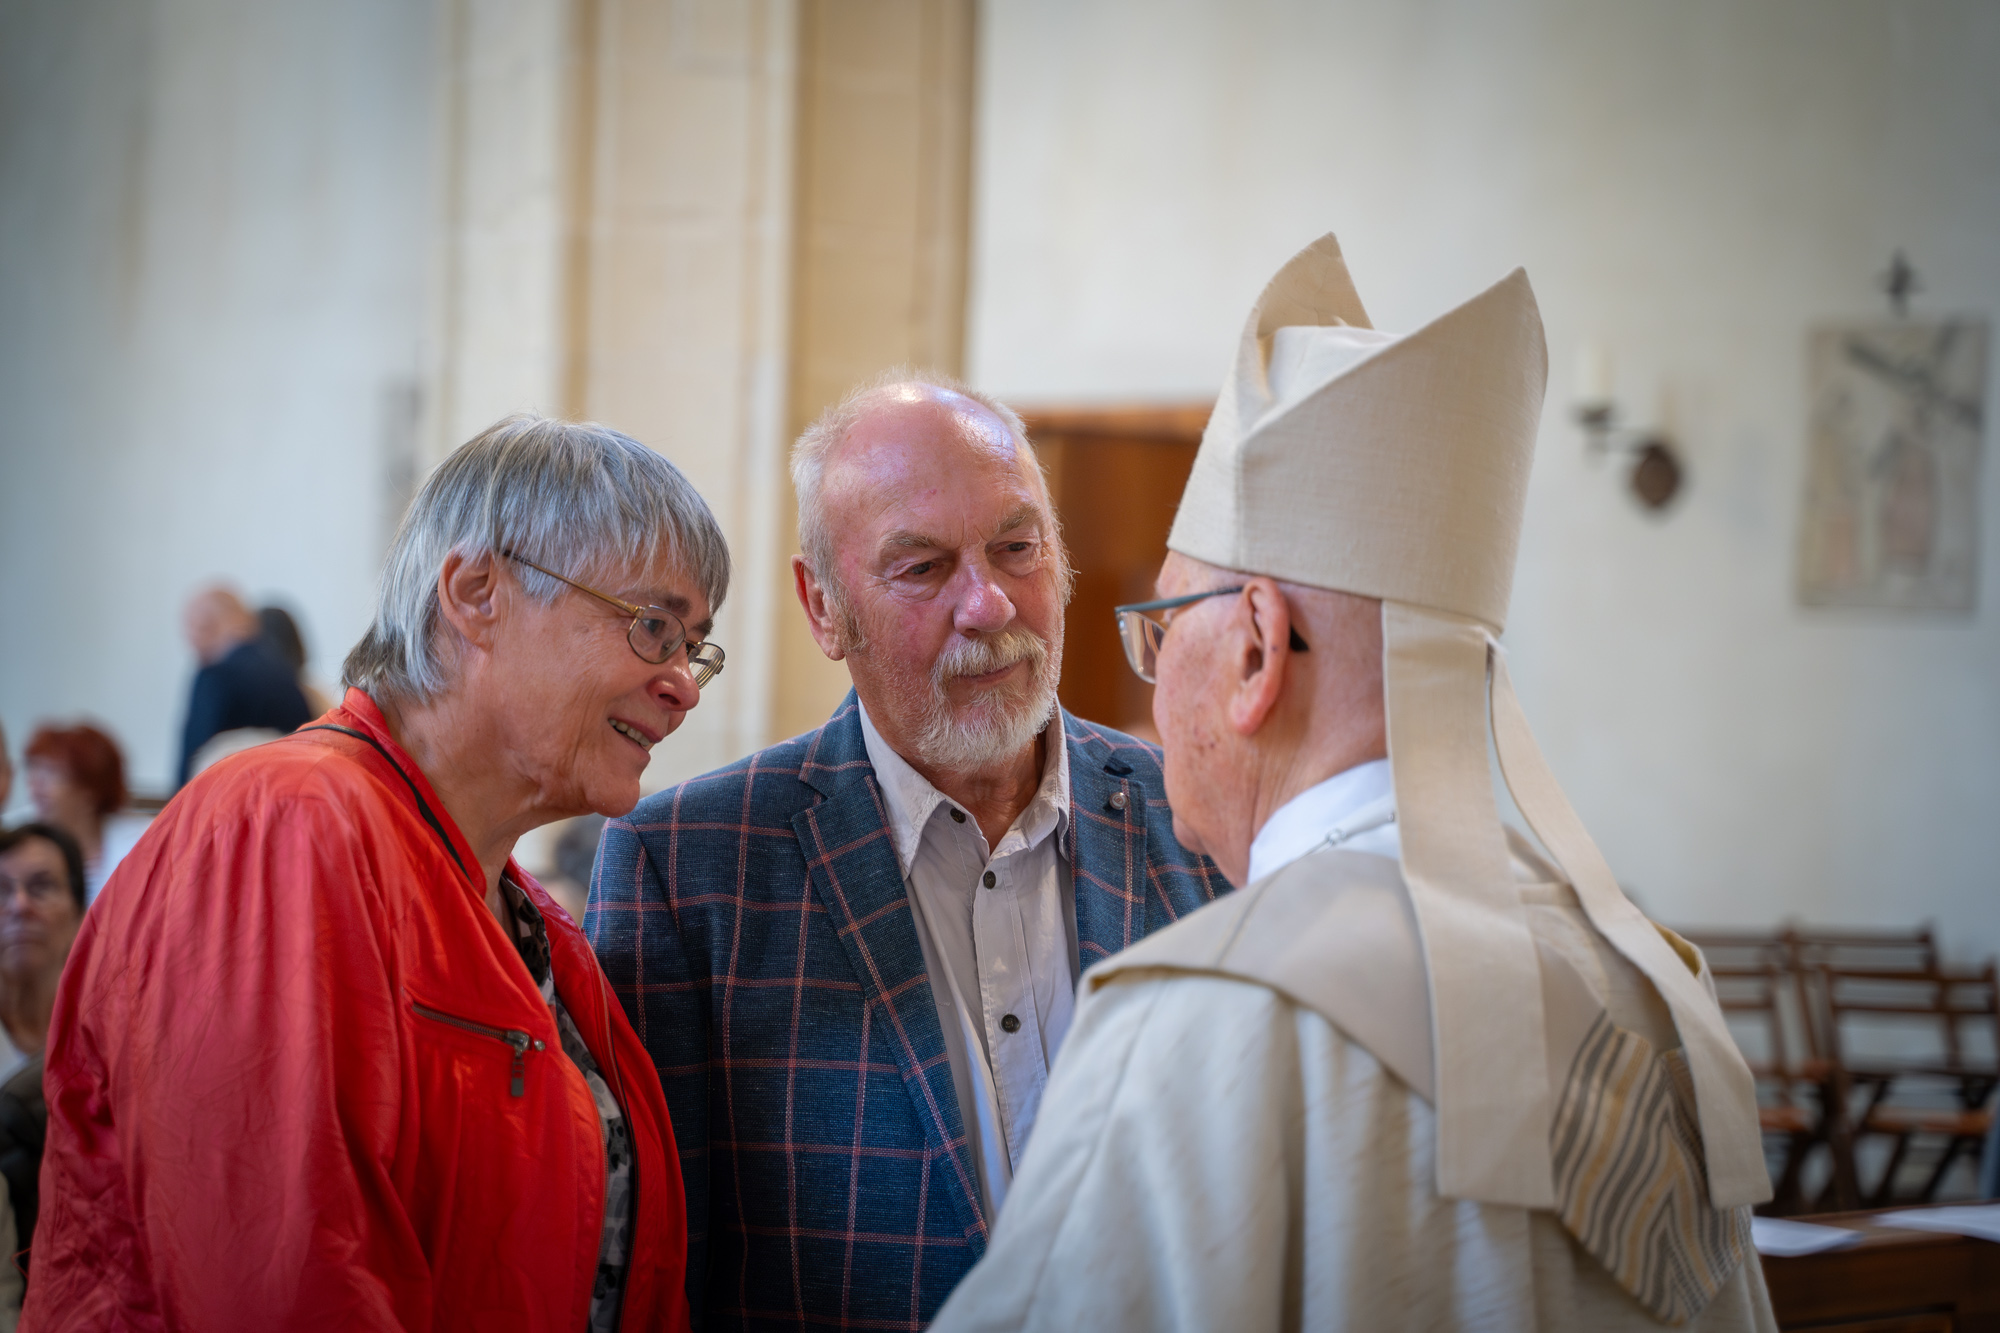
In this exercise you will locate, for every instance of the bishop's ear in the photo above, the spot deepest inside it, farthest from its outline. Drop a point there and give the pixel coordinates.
(1262, 627)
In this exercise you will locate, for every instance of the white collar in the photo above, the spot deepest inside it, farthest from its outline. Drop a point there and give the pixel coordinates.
(912, 800)
(1340, 807)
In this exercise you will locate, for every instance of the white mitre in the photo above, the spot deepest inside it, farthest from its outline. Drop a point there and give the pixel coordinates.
(1397, 467)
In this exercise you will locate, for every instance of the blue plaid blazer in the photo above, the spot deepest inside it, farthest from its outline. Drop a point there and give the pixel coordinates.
(754, 923)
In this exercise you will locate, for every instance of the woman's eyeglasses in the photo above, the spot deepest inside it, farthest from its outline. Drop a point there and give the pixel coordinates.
(655, 633)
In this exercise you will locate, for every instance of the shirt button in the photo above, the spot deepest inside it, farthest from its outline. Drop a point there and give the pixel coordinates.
(958, 816)
(1009, 1023)
(1117, 800)
(990, 881)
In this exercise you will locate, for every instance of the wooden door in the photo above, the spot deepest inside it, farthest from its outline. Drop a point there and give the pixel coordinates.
(1116, 476)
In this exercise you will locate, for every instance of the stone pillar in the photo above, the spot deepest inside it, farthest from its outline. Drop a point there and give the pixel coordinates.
(507, 201)
(678, 322)
(616, 233)
(884, 155)
(700, 221)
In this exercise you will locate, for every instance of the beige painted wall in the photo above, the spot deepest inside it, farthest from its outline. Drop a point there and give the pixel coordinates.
(1693, 182)
(884, 144)
(680, 335)
(508, 125)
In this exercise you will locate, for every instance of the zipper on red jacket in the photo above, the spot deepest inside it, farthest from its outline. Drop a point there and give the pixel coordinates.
(518, 1040)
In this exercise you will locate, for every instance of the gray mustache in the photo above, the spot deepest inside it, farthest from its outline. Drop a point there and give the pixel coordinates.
(994, 652)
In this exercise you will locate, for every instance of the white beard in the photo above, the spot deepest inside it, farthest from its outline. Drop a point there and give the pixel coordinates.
(1002, 722)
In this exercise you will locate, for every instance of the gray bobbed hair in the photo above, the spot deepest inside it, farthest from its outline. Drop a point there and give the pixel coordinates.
(580, 499)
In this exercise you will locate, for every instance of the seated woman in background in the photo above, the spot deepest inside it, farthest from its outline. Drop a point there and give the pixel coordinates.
(41, 907)
(76, 778)
(327, 1058)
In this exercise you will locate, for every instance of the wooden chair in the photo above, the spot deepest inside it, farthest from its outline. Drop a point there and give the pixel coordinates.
(1740, 951)
(1812, 947)
(1761, 997)
(1942, 1091)
(1809, 949)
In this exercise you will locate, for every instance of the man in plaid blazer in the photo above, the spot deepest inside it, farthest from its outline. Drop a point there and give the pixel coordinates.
(766, 925)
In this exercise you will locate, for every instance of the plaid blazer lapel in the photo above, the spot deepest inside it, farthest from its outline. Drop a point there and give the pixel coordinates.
(852, 861)
(1117, 901)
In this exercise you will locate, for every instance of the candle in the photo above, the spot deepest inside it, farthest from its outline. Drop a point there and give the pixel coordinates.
(1593, 373)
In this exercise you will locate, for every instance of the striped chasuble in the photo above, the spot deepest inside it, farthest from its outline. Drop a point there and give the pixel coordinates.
(1631, 1184)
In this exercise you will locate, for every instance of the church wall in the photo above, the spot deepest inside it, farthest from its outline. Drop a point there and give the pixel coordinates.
(342, 240)
(214, 226)
(679, 297)
(878, 274)
(261, 264)
(1689, 184)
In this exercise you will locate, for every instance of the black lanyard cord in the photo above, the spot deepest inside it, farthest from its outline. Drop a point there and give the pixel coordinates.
(423, 807)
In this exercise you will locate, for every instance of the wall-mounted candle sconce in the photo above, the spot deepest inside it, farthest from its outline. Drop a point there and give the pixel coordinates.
(1656, 474)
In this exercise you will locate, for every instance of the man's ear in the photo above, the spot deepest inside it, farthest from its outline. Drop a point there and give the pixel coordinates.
(470, 598)
(819, 617)
(1262, 625)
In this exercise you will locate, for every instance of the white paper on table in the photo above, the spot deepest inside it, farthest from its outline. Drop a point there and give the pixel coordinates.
(1787, 1239)
(1981, 1221)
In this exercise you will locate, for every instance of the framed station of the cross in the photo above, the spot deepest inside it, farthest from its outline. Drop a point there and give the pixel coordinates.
(1896, 428)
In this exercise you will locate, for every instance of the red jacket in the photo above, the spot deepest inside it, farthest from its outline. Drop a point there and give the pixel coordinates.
(252, 1123)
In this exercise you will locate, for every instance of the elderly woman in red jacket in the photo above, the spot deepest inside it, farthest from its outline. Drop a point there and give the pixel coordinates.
(324, 1056)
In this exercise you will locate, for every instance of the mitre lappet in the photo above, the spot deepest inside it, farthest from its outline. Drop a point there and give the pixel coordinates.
(1396, 467)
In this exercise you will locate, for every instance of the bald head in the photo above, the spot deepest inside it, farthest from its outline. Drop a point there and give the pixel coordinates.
(909, 437)
(915, 414)
(216, 620)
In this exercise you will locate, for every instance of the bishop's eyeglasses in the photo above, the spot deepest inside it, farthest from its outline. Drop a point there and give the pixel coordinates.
(1142, 634)
(655, 633)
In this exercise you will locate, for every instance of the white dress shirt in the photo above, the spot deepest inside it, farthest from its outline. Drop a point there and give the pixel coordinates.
(999, 938)
(1355, 808)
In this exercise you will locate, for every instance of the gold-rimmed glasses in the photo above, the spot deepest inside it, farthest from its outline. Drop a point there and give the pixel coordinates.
(655, 633)
(1142, 634)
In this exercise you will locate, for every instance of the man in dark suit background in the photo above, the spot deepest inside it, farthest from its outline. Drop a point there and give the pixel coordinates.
(243, 683)
(853, 955)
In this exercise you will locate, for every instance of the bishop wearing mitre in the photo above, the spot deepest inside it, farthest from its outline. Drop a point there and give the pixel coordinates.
(1421, 1071)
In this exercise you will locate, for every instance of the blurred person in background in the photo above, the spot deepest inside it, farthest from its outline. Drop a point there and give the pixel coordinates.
(281, 631)
(244, 684)
(41, 908)
(575, 856)
(76, 778)
(6, 773)
(325, 1056)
